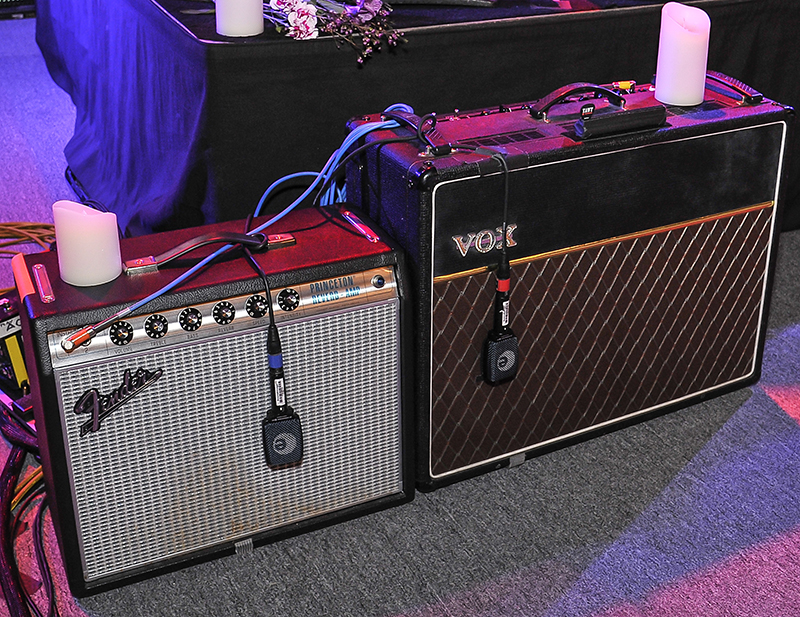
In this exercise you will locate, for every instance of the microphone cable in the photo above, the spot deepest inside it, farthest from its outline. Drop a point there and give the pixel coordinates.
(281, 429)
(274, 348)
(501, 349)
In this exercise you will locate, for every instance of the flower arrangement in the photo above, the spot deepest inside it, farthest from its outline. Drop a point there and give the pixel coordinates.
(364, 26)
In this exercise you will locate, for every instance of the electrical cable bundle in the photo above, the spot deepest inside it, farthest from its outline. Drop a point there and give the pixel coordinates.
(17, 498)
(329, 193)
(15, 233)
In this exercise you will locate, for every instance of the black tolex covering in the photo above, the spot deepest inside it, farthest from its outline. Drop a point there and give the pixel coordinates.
(177, 126)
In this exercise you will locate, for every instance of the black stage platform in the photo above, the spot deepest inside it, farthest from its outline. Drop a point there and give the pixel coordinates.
(177, 126)
(17, 9)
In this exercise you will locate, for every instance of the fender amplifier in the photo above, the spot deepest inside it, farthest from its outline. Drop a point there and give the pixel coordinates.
(641, 241)
(155, 439)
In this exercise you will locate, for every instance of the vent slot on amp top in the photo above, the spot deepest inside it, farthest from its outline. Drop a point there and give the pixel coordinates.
(504, 139)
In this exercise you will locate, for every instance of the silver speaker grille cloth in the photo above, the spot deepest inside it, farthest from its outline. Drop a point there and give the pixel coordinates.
(181, 466)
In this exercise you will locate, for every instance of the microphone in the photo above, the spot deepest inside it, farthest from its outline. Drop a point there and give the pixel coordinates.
(501, 348)
(281, 429)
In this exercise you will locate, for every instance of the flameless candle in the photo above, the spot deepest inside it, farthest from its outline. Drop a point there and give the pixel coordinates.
(682, 55)
(87, 244)
(240, 17)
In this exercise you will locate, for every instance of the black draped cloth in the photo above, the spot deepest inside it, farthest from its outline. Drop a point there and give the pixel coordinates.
(177, 126)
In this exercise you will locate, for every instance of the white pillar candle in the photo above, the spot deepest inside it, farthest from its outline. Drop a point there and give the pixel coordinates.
(682, 55)
(240, 17)
(87, 244)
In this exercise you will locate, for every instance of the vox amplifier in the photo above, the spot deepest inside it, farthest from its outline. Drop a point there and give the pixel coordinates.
(159, 442)
(641, 242)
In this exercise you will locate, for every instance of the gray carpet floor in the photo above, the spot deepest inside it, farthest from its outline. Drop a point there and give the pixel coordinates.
(36, 121)
(694, 513)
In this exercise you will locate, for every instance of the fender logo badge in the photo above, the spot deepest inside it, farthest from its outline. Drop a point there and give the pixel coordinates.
(100, 406)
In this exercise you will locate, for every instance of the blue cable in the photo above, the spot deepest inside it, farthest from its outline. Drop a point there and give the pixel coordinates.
(206, 260)
(331, 165)
(332, 193)
(330, 196)
(274, 185)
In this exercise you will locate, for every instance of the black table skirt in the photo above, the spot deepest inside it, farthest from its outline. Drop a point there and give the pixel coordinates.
(177, 126)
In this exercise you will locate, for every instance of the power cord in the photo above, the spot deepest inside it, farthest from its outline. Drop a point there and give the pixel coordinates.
(16, 498)
(16, 233)
(9, 571)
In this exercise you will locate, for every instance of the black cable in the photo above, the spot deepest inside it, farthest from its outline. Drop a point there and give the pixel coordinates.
(504, 268)
(501, 347)
(418, 124)
(259, 270)
(258, 241)
(16, 524)
(422, 135)
(22, 440)
(280, 406)
(15, 433)
(9, 414)
(41, 560)
(499, 157)
(9, 573)
(13, 430)
(281, 429)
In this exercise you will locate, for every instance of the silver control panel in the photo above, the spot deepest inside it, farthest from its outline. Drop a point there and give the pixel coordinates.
(150, 331)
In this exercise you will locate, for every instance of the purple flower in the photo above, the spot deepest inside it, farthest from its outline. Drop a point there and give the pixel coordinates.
(365, 10)
(303, 21)
(364, 25)
(285, 6)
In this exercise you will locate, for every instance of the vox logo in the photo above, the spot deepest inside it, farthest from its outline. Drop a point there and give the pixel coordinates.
(485, 240)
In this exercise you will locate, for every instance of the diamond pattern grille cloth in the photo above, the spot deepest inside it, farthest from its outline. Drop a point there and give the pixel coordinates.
(604, 332)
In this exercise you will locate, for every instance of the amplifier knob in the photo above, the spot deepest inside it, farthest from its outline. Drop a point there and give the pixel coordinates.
(121, 333)
(223, 312)
(155, 326)
(190, 319)
(256, 306)
(288, 299)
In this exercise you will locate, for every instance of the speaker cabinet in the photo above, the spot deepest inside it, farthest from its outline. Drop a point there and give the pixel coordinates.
(153, 437)
(641, 260)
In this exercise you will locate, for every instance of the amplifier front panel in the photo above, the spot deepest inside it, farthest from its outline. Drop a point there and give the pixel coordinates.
(180, 467)
(606, 331)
